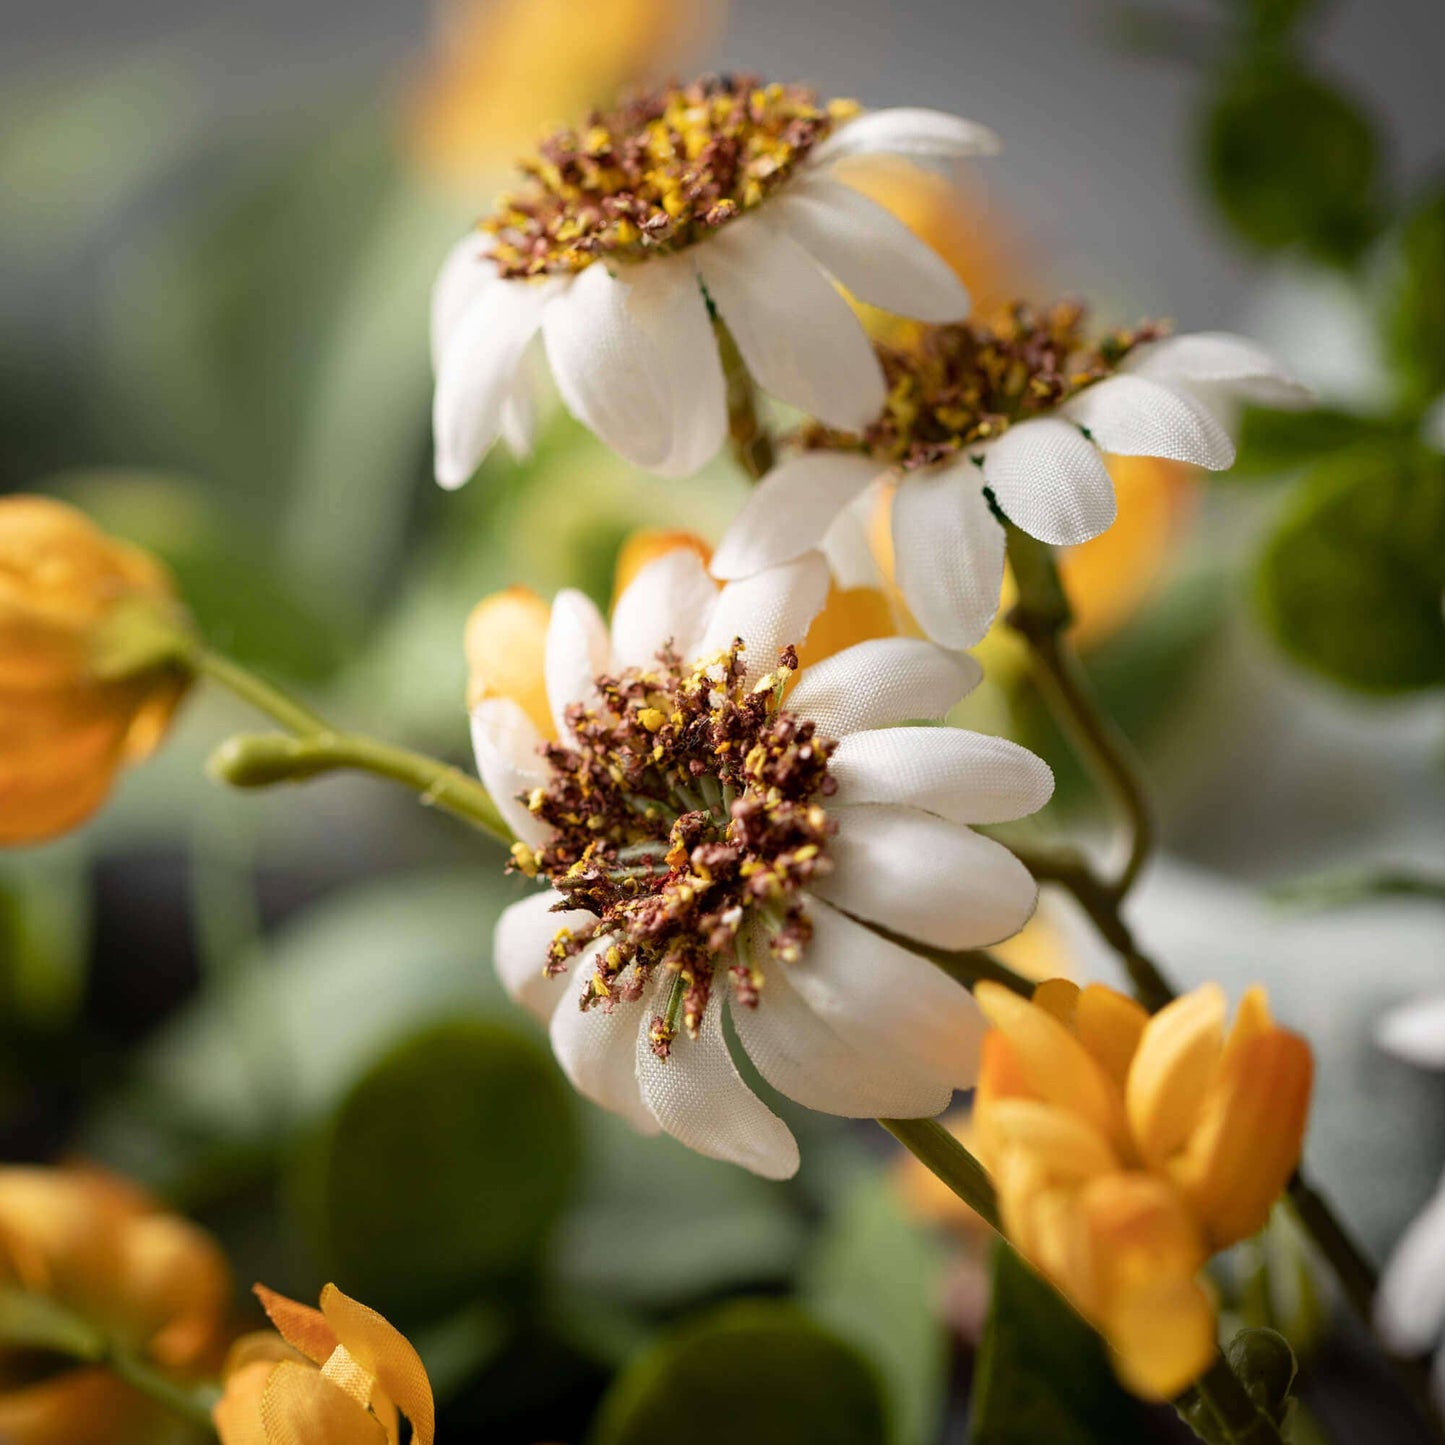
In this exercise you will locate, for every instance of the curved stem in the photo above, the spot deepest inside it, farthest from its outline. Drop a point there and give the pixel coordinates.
(262, 695)
(943, 1156)
(191, 1402)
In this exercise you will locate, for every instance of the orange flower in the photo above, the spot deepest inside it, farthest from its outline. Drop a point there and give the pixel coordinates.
(148, 1283)
(90, 669)
(334, 1376)
(1128, 1149)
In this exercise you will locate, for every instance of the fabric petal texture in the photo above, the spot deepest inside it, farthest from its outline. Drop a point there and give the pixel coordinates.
(1051, 481)
(519, 947)
(577, 651)
(507, 744)
(924, 135)
(1138, 417)
(670, 601)
(769, 611)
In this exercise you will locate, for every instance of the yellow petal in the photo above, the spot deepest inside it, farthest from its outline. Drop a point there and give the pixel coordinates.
(299, 1407)
(850, 615)
(1110, 1026)
(506, 648)
(80, 1407)
(1163, 1335)
(387, 1355)
(179, 1287)
(1060, 997)
(646, 546)
(1172, 1070)
(1067, 1146)
(237, 1414)
(300, 1326)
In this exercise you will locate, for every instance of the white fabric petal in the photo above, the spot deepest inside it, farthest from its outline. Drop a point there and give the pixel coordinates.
(1217, 358)
(465, 273)
(769, 611)
(800, 339)
(926, 878)
(519, 415)
(882, 681)
(519, 949)
(790, 511)
(577, 651)
(1415, 1032)
(477, 372)
(870, 251)
(506, 742)
(801, 1055)
(606, 366)
(1135, 416)
(948, 548)
(927, 135)
(597, 1050)
(670, 600)
(962, 776)
(698, 1097)
(870, 989)
(1410, 1305)
(1051, 481)
(848, 543)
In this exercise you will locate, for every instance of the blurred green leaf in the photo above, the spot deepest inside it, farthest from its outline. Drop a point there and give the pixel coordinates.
(1265, 1365)
(1042, 1373)
(759, 1371)
(1272, 21)
(1292, 162)
(1414, 316)
(443, 1170)
(1352, 581)
(873, 1277)
(44, 939)
(1275, 442)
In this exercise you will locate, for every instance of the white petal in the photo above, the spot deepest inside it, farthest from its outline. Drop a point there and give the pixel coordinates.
(949, 551)
(874, 992)
(1136, 417)
(790, 511)
(963, 776)
(669, 601)
(577, 651)
(506, 742)
(698, 1097)
(908, 131)
(1216, 358)
(800, 339)
(519, 949)
(848, 543)
(801, 1055)
(606, 365)
(926, 878)
(870, 251)
(597, 1051)
(465, 273)
(477, 373)
(519, 416)
(883, 681)
(769, 611)
(1415, 1032)
(1410, 1305)
(1051, 481)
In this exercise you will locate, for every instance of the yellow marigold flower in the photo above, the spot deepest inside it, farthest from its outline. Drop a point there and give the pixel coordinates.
(150, 1282)
(334, 1376)
(89, 672)
(1128, 1149)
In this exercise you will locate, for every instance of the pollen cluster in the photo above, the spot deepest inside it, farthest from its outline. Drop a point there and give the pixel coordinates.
(658, 173)
(683, 802)
(952, 386)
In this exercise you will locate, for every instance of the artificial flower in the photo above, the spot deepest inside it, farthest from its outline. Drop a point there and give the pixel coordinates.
(630, 232)
(333, 1376)
(719, 827)
(89, 677)
(146, 1282)
(1013, 418)
(1127, 1149)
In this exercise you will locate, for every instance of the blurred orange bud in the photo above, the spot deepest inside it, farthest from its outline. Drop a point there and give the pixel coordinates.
(333, 1376)
(506, 647)
(92, 664)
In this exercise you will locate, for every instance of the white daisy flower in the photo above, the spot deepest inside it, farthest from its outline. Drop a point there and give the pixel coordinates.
(724, 830)
(1016, 418)
(628, 233)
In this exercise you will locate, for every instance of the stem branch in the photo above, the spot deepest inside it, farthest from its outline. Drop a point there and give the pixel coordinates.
(942, 1155)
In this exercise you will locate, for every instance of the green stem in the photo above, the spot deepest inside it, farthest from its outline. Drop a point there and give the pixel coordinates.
(1219, 1410)
(190, 1402)
(752, 443)
(262, 695)
(942, 1155)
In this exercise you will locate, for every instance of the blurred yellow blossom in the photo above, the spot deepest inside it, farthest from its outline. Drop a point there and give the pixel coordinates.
(149, 1283)
(333, 1376)
(89, 677)
(1127, 1149)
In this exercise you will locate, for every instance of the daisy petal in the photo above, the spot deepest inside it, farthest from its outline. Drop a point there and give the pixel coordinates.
(1050, 480)
(949, 551)
(577, 648)
(1410, 1305)
(1137, 417)
(464, 274)
(800, 339)
(669, 601)
(769, 611)
(880, 682)
(926, 878)
(506, 743)
(790, 511)
(870, 251)
(698, 1097)
(927, 135)
(1415, 1032)
(519, 416)
(1216, 358)
(519, 949)
(962, 776)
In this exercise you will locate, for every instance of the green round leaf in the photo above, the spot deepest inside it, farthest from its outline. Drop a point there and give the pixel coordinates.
(1266, 1367)
(759, 1371)
(1415, 309)
(442, 1170)
(1351, 583)
(1292, 162)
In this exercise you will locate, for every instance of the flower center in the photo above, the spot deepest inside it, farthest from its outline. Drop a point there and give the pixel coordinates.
(957, 385)
(658, 173)
(684, 802)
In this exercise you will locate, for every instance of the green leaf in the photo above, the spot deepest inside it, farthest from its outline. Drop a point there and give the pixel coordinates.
(1414, 318)
(442, 1172)
(873, 1277)
(1266, 1367)
(44, 939)
(1292, 163)
(759, 1371)
(1351, 583)
(1274, 442)
(1043, 1374)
